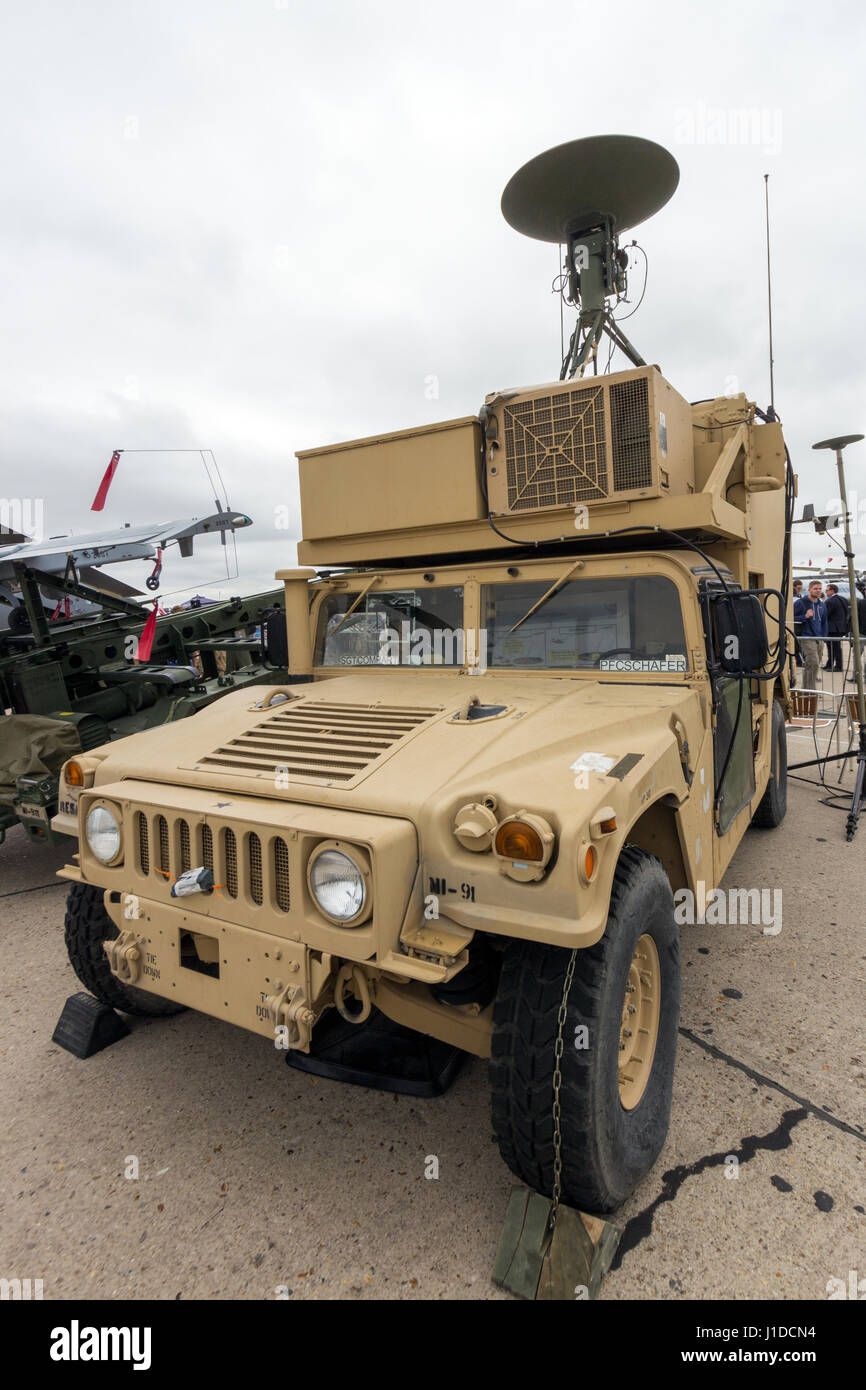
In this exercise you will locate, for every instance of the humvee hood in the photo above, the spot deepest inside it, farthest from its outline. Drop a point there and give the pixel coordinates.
(388, 742)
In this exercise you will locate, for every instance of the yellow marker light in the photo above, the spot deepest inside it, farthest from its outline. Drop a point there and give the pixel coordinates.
(590, 862)
(73, 774)
(517, 840)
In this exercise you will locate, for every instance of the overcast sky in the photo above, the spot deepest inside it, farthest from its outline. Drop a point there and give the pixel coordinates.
(258, 226)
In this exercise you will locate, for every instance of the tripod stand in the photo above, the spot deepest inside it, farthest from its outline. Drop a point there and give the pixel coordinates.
(838, 444)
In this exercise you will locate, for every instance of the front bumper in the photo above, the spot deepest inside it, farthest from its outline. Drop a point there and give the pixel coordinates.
(257, 951)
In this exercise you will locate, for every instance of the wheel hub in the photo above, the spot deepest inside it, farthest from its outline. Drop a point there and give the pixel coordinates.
(640, 1022)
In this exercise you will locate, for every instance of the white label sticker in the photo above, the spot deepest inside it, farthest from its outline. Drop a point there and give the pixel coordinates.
(655, 663)
(593, 762)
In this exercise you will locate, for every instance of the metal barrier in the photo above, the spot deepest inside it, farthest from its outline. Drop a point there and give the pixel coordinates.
(826, 707)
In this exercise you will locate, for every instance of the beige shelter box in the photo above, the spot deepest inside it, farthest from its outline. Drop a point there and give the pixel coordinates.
(409, 480)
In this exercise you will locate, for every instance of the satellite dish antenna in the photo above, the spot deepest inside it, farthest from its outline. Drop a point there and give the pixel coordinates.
(584, 195)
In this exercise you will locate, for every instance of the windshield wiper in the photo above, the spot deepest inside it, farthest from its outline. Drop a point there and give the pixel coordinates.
(359, 598)
(563, 579)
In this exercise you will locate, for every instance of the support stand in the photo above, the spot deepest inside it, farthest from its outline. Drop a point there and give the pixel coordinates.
(837, 445)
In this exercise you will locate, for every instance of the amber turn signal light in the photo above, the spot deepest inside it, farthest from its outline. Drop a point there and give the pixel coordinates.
(590, 862)
(73, 774)
(517, 840)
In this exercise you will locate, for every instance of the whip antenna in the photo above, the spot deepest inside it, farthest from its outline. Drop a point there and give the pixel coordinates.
(769, 295)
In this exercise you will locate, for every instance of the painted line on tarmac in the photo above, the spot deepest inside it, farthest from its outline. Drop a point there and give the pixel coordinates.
(38, 889)
(775, 1085)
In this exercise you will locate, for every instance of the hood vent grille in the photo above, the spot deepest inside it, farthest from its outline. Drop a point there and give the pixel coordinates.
(319, 743)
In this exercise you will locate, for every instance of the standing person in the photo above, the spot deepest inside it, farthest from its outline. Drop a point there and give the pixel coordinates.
(798, 655)
(837, 627)
(811, 613)
(861, 623)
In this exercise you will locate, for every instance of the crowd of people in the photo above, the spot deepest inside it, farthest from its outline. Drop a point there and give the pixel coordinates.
(822, 623)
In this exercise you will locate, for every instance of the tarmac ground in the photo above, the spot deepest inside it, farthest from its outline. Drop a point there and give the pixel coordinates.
(187, 1161)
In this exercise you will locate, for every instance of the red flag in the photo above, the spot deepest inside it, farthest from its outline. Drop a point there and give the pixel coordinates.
(99, 500)
(145, 641)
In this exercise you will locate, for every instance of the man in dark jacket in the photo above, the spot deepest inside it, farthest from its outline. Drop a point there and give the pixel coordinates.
(837, 627)
(861, 623)
(811, 613)
(798, 655)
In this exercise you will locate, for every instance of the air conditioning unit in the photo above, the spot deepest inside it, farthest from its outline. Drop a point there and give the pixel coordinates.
(596, 440)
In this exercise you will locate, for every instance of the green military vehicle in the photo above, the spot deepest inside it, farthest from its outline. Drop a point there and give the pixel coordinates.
(72, 672)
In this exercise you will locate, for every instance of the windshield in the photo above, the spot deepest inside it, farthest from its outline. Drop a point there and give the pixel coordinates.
(401, 627)
(588, 624)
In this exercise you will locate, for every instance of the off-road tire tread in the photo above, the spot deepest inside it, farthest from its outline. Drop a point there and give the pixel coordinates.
(522, 1054)
(86, 926)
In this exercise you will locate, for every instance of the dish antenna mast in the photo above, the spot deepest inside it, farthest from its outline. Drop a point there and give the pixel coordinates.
(585, 195)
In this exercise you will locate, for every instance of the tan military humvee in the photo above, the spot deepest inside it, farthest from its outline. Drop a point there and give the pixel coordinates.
(519, 719)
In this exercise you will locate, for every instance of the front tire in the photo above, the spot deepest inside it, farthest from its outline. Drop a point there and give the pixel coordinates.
(615, 1094)
(87, 925)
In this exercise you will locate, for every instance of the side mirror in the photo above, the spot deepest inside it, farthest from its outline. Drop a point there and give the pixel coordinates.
(741, 632)
(276, 642)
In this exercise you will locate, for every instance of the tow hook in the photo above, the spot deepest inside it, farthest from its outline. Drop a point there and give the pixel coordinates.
(354, 975)
(288, 1008)
(125, 954)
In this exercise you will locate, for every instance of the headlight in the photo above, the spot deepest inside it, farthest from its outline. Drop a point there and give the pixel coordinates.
(337, 884)
(103, 834)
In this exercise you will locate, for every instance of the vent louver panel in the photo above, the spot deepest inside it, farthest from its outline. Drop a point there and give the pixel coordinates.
(555, 450)
(631, 445)
(281, 874)
(143, 842)
(162, 859)
(207, 847)
(594, 441)
(254, 853)
(230, 848)
(185, 859)
(318, 742)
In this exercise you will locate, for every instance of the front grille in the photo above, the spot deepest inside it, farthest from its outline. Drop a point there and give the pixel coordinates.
(555, 449)
(319, 742)
(253, 866)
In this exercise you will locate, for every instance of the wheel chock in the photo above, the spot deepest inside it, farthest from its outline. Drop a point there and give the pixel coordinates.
(85, 1026)
(543, 1258)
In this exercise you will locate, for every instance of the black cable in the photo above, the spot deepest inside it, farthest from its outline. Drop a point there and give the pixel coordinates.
(643, 291)
(725, 425)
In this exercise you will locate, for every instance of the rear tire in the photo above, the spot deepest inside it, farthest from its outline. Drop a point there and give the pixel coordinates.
(86, 926)
(606, 1148)
(774, 803)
